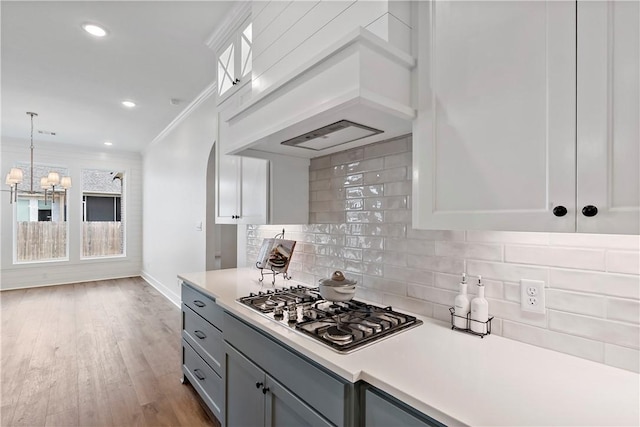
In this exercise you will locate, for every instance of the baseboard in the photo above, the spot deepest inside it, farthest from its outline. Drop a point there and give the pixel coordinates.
(44, 285)
(165, 291)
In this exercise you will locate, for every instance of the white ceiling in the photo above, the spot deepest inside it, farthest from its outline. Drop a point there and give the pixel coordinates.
(155, 51)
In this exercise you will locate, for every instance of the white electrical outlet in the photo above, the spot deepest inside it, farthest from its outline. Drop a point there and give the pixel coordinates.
(532, 295)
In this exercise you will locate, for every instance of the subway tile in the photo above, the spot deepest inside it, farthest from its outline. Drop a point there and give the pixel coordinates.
(312, 175)
(371, 295)
(322, 184)
(397, 202)
(353, 204)
(395, 244)
(320, 163)
(347, 156)
(405, 274)
(315, 270)
(349, 180)
(392, 230)
(516, 237)
(396, 160)
(327, 206)
(599, 241)
(408, 304)
(332, 262)
(437, 264)
(397, 216)
(373, 256)
(327, 195)
(353, 266)
(386, 175)
(505, 272)
(587, 259)
(618, 285)
(429, 293)
(564, 343)
(441, 312)
(509, 311)
(574, 302)
(420, 247)
(331, 172)
(385, 285)
(623, 262)
(387, 147)
(436, 234)
(356, 229)
(328, 239)
(365, 216)
(329, 217)
(608, 331)
(397, 259)
(512, 292)
(364, 166)
(400, 188)
(337, 228)
(364, 191)
(372, 269)
(622, 357)
(479, 251)
(626, 310)
(492, 288)
(365, 242)
(351, 254)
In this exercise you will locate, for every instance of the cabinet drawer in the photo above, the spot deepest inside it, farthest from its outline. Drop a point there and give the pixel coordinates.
(205, 338)
(203, 305)
(207, 383)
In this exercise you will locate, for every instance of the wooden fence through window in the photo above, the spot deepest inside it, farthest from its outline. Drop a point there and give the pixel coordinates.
(101, 238)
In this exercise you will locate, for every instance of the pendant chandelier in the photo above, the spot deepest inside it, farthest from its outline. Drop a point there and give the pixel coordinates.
(47, 183)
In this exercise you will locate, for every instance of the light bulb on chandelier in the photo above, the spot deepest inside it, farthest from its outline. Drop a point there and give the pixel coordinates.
(47, 183)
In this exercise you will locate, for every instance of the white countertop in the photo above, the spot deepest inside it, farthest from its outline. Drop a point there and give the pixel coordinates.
(455, 377)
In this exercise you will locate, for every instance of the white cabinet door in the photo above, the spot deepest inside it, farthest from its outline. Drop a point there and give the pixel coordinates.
(254, 197)
(227, 187)
(608, 115)
(494, 141)
(235, 61)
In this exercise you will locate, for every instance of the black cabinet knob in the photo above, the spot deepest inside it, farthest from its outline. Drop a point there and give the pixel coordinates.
(258, 384)
(559, 211)
(265, 390)
(589, 210)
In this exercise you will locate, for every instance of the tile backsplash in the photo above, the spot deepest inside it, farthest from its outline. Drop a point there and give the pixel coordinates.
(360, 222)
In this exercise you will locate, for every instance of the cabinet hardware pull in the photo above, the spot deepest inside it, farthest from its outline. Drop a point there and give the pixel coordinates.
(559, 211)
(258, 385)
(199, 374)
(590, 210)
(199, 303)
(265, 390)
(199, 334)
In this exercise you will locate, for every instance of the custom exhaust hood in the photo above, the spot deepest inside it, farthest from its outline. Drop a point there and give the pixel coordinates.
(356, 92)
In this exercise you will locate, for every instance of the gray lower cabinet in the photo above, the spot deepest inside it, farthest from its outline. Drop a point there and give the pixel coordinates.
(203, 348)
(382, 410)
(304, 393)
(256, 399)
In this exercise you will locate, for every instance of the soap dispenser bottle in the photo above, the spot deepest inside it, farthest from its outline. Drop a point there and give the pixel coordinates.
(462, 305)
(479, 310)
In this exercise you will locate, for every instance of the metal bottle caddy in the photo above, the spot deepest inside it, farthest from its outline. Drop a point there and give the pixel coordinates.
(468, 320)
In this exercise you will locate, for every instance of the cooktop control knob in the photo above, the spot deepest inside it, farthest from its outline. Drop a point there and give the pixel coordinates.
(293, 313)
(277, 313)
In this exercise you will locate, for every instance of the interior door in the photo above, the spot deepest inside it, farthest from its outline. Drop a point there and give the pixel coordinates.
(608, 116)
(494, 142)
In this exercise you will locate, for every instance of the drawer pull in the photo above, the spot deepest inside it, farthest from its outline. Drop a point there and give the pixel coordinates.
(199, 303)
(265, 390)
(198, 373)
(258, 384)
(199, 334)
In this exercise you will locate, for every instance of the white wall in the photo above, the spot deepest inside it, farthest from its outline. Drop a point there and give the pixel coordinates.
(74, 269)
(175, 194)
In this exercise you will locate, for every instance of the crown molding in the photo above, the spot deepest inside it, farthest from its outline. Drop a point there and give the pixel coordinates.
(202, 96)
(231, 22)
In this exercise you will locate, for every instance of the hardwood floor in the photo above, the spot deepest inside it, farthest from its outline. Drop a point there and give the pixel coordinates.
(103, 353)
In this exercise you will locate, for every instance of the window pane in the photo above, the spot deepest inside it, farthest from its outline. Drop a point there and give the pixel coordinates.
(102, 213)
(226, 70)
(41, 227)
(245, 51)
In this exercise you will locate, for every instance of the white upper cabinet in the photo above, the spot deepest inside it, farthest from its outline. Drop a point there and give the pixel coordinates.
(608, 116)
(496, 142)
(234, 61)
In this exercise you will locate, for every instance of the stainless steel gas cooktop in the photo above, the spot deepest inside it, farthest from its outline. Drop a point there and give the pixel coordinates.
(343, 326)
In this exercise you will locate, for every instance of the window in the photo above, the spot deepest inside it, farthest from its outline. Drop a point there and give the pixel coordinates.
(40, 222)
(102, 213)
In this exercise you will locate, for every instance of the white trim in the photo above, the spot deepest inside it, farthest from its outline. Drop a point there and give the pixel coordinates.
(231, 23)
(202, 96)
(165, 291)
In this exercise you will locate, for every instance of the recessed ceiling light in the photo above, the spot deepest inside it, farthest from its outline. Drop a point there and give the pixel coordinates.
(94, 30)
(129, 104)
(108, 143)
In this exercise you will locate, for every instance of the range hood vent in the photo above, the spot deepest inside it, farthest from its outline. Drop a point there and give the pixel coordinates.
(355, 92)
(335, 134)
